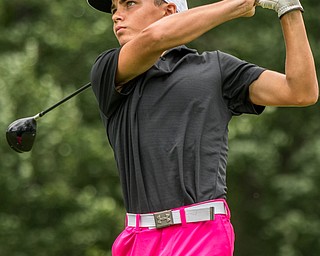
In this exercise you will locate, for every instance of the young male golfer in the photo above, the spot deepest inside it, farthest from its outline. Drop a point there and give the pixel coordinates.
(166, 110)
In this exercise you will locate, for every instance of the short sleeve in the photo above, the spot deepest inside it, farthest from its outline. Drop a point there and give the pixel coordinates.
(237, 75)
(103, 82)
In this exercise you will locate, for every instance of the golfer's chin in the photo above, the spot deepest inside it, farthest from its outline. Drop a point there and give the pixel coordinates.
(123, 40)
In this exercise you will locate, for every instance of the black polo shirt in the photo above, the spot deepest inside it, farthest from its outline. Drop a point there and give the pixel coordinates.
(169, 126)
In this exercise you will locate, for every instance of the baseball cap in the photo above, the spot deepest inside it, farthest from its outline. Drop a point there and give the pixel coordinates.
(105, 5)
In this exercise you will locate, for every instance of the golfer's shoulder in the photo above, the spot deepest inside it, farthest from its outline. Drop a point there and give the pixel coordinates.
(110, 54)
(105, 62)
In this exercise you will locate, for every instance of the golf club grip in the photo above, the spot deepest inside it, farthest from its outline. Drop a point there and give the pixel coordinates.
(84, 87)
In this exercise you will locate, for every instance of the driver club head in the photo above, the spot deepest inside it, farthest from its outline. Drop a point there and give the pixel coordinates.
(21, 134)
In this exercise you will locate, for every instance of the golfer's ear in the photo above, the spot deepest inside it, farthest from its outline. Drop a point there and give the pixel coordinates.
(170, 9)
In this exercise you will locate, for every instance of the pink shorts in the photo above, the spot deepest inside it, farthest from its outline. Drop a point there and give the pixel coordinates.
(208, 238)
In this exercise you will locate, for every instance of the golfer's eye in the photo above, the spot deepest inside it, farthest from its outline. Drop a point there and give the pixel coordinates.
(130, 3)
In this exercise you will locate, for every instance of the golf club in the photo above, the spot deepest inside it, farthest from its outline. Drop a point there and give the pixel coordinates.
(22, 132)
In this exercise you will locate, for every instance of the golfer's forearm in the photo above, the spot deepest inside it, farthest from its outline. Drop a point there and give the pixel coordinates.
(184, 27)
(300, 68)
(138, 55)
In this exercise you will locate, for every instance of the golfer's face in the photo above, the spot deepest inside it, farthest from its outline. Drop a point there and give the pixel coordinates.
(131, 17)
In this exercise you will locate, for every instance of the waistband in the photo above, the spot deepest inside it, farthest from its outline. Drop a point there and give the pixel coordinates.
(204, 211)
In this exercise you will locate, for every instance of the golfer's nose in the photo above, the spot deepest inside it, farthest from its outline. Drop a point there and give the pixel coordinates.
(117, 16)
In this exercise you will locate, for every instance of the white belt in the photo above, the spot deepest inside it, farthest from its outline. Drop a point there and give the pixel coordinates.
(196, 213)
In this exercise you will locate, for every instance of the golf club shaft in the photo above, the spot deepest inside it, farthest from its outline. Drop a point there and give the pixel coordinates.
(42, 113)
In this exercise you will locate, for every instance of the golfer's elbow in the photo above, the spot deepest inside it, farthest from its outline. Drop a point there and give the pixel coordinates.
(151, 38)
(309, 96)
(314, 96)
(158, 38)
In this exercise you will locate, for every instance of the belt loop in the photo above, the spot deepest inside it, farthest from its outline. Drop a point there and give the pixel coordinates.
(183, 217)
(126, 221)
(137, 221)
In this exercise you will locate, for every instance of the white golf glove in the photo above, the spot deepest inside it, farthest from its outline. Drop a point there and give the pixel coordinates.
(280, 6)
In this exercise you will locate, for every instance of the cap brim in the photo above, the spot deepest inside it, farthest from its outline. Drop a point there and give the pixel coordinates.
(101, 5)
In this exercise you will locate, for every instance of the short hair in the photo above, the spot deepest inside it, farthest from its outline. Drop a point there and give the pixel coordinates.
(158, 2)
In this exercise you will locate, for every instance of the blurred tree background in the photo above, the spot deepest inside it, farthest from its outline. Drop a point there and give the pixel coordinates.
(63, 197)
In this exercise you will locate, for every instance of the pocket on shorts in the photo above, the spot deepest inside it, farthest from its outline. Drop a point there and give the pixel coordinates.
(229, 231)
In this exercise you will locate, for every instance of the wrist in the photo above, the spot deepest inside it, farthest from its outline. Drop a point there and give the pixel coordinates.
(291, 16)
(238, 8)
(290, 7)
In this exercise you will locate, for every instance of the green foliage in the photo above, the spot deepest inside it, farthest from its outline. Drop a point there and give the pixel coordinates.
(63, 198)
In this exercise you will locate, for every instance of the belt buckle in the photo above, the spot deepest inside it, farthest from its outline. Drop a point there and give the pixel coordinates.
(163, 219)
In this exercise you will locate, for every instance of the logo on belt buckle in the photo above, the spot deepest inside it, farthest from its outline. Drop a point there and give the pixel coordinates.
(163, 219)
